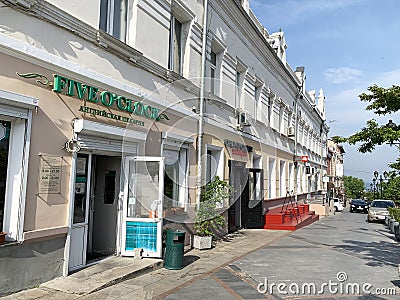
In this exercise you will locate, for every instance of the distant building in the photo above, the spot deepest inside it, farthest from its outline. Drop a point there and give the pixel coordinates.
(335, 170)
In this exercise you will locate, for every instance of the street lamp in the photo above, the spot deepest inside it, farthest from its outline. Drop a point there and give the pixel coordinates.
(374, 182)
(381, 179)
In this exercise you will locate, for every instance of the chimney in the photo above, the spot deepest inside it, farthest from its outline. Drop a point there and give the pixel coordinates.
(302, 77)
(321, 103)
(246, 5)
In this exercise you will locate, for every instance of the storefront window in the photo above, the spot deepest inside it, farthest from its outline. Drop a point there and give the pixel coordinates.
(171, 178)
(143, 194)
(4, 149)
(174, 177)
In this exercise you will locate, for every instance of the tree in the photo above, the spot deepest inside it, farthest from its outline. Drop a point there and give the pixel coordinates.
(383, 101)
(392, 189)
(354, 187)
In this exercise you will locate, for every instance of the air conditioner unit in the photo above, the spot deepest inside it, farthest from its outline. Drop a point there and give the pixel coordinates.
(242, 118)
(290, 131)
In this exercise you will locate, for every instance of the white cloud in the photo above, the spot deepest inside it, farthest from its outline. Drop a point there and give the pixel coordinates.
(341, 75)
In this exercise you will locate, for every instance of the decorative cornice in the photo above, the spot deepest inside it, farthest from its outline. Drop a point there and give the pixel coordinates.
(118, 47)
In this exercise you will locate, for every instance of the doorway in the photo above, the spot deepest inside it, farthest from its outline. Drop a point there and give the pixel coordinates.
(252, 200)
(102, 239)
(238, 175)
(94, 224)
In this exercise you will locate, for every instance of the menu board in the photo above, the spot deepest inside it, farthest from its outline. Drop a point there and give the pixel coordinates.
(50, 174)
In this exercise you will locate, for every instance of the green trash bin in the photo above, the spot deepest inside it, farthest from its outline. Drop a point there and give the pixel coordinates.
(175, 241)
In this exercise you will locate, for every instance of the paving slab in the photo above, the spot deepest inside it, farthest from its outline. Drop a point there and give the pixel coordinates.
(127, 278)
(106, 273)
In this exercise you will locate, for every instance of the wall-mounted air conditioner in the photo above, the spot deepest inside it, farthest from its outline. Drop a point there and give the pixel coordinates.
(290, 131)
(242, 118)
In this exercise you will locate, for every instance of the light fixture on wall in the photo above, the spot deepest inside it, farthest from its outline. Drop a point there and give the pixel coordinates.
(72, 146)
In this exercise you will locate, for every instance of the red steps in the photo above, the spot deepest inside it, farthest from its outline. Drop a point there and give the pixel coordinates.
(285, 219)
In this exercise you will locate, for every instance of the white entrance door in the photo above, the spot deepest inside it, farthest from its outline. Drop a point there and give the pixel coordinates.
(79, 228)
(143, 206)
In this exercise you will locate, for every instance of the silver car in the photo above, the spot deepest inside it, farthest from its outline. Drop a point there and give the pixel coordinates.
(378, 210)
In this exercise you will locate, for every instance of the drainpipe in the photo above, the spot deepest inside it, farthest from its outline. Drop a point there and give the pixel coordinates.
(298, 96)
(201, 106)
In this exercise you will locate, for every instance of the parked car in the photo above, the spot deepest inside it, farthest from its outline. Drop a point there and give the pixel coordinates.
(378, 210)
(357, 205)
(338, 204)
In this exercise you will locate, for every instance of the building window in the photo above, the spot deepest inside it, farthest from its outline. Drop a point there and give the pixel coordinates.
(281, 119)
(213, 71)
(175, 177)
(175, 46)
(269, 112)
(271, 178)
(239, 80)
(15, 128)
(4, 152)
(214, 163)
(282, 179)
(113, 18)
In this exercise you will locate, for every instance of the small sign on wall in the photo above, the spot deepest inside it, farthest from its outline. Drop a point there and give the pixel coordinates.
(50, 174)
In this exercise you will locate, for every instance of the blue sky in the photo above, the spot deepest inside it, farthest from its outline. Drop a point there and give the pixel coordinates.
(345, 46)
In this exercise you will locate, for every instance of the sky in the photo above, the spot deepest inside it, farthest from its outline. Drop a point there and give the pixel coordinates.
(345, 46)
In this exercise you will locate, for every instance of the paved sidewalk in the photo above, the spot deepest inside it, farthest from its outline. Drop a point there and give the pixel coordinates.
(125, 278)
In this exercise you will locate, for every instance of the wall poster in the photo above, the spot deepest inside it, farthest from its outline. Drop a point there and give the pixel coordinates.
(50, 174)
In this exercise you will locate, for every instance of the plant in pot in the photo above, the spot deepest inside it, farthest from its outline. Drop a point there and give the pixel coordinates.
(208, 219)
(2, 237)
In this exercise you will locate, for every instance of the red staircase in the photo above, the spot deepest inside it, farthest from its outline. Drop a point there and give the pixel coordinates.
(290, 216)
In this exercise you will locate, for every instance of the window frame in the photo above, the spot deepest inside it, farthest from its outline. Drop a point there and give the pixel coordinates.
(107, 16)
(172, 52)
(17, 109)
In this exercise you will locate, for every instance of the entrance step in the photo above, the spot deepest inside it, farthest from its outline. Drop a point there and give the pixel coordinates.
(292, 218)
(103, 274)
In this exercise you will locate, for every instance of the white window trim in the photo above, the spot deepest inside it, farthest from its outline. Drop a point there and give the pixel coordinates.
(220, 163)
(17, 170)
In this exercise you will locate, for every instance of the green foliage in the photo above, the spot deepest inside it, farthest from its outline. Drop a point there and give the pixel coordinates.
(383, 101)
(208, 220)
(394, 213)
(391, 189)
(338, 139)
(354, 187)
(396, 165)
(373, 135)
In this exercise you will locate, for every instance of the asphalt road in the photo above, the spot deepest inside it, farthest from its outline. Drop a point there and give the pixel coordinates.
(341, 257)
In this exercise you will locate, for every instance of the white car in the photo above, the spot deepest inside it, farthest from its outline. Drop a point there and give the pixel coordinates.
(379, 210)
(338, 204)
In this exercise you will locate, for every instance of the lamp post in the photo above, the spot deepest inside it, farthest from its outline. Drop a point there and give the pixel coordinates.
(374, 183)
(381, 180)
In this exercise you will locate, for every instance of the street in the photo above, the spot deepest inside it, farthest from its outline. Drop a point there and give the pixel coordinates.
(339, 256)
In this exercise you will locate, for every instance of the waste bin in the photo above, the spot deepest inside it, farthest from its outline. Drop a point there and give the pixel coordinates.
(175, 241)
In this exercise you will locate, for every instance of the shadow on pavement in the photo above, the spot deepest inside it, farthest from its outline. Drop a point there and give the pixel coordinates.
(378, 253)
(189, 259)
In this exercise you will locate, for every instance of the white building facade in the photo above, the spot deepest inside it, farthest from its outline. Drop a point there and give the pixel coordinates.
(100, 102)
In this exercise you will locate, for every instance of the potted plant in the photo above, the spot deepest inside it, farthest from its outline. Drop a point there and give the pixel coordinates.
(2, 237)
(208, 219)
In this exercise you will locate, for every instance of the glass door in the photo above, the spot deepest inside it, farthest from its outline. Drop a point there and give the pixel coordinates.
(143, 206)
(79, 228)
